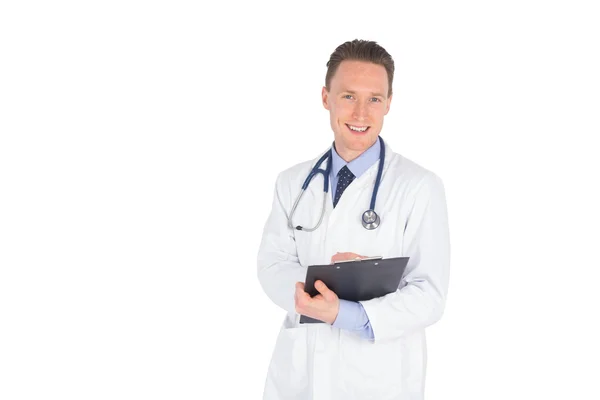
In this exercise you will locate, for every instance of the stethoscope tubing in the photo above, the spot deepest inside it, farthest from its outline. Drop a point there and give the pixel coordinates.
(325, 172)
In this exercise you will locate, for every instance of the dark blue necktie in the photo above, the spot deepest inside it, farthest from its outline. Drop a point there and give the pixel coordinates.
(345, 177)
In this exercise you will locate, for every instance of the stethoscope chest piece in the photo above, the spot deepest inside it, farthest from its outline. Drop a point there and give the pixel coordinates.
(370, 220)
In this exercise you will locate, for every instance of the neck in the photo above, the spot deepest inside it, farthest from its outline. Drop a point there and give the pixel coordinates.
(349, 154)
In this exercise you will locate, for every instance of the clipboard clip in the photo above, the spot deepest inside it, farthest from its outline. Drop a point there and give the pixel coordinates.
(359, 259)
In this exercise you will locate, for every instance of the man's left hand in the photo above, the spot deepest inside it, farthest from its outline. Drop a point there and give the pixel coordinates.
(324, 306)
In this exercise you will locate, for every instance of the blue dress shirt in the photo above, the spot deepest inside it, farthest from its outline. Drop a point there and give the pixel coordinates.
(351, 315)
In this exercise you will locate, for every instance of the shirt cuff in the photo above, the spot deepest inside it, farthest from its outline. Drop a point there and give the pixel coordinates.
(352, 317)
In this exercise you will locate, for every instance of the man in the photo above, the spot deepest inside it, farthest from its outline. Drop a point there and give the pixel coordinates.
(371, 349)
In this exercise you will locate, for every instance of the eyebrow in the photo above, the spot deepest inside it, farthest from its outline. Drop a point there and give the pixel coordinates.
(372, 93)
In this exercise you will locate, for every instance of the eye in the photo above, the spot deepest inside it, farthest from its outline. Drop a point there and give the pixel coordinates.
(348, 96)
(375, 99)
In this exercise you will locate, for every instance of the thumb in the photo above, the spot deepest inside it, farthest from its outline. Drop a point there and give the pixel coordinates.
(327, 293)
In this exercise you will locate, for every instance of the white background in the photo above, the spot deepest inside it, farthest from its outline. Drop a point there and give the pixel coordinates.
(139, 147)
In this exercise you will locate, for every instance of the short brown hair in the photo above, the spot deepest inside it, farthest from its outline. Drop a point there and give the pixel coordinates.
(360, 50)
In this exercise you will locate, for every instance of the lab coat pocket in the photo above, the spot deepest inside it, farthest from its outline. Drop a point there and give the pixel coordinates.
(372, 370)
(288, 367)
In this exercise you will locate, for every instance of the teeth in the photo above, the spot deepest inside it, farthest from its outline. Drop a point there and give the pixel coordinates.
(354, 128)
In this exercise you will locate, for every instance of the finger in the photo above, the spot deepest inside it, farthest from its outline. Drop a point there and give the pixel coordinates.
(354, 256)
(346, 256)
(327, 293)
(339, 257)
(301, 298)
(300, 292)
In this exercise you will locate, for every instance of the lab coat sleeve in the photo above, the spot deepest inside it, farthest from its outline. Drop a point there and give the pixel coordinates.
(421, 298)
(278, 265)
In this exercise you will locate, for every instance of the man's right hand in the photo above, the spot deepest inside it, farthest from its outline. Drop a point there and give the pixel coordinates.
(346, 256)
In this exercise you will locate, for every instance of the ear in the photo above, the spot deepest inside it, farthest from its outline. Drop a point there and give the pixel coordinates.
(389, 103)
(325, 97)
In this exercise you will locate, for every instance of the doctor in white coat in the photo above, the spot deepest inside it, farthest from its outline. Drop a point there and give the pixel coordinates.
(371, 349)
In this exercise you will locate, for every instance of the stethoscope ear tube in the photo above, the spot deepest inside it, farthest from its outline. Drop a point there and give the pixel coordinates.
(317, 170)
(300, 228)
(290, 223)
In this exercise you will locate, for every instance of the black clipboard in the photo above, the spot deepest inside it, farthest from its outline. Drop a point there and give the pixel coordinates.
(356, 280)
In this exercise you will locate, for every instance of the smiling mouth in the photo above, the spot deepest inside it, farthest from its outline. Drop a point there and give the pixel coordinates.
(358, 129)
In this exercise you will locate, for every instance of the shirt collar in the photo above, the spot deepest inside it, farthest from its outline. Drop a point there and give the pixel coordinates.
(360, 164)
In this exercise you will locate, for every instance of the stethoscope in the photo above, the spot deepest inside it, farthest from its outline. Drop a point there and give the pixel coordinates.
(370, 219)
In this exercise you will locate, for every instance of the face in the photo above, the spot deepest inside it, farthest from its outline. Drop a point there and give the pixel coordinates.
(357, 102)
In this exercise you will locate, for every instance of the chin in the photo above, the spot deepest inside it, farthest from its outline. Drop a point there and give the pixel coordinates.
(361, 142)
(356, 142)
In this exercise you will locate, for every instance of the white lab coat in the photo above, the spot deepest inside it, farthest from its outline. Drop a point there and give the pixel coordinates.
(318, 361)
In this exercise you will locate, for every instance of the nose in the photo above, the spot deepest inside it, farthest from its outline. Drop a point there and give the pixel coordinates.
(360, 111)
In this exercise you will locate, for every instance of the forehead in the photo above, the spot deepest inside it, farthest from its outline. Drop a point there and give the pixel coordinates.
(360, 76)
